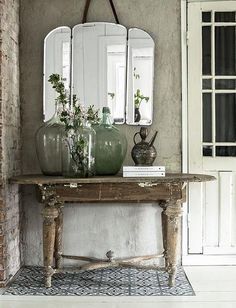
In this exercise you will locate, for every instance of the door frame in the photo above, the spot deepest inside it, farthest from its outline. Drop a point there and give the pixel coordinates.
(184, 98)
(192, 259)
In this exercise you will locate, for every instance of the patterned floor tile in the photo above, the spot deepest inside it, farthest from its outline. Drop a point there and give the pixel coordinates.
(110, 282)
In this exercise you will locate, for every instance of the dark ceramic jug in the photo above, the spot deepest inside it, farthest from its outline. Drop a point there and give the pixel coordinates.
(143, 152)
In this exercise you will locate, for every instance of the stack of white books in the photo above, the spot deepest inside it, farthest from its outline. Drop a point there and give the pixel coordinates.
(143, 171)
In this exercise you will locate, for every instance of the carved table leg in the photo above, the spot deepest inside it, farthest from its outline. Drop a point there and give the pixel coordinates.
(58, 239)
(164, 233)
(174, 214)
(49, 231)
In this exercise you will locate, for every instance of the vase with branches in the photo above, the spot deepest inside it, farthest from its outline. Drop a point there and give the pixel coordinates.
(78, 157)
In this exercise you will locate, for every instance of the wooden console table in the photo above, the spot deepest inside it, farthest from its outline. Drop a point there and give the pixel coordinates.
(168, 191)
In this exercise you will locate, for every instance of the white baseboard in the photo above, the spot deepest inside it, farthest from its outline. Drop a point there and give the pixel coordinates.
(209, 260)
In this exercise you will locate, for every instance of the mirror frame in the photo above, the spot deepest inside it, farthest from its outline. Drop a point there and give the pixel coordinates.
(129, 94)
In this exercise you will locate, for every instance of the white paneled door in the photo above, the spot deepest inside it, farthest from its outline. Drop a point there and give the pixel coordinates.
(212, 131)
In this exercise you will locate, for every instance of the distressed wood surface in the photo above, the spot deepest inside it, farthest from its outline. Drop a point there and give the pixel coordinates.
(173, 215)
(58, 238)
(78, 269)
(126, 262)
(169, 191)
(49, 233)
(169, 195)
(169, 178)
(164, 222)
(129, 260)
(117, 192)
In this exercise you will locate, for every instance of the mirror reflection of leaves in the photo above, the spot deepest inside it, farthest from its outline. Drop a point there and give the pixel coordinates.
(138, 96)
(111, 94)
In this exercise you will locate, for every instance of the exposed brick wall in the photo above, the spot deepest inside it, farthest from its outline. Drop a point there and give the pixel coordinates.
(10, 144)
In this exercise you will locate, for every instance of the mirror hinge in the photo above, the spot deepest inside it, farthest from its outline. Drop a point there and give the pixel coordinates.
(188, 220)
(187, 37)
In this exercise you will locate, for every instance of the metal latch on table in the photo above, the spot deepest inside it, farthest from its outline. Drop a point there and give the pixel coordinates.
(147, 184)
(72, 185)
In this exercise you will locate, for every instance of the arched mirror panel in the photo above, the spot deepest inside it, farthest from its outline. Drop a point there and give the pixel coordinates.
(57, 59)
(99, 66)
(140, 78)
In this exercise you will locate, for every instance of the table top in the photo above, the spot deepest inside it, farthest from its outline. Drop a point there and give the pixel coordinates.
(37, 179)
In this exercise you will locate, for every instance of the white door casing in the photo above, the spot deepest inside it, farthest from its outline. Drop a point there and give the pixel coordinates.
(211, 233)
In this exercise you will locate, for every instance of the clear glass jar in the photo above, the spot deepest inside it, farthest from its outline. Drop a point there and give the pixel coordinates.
(48, 140)
(78, 157)
(111, 146)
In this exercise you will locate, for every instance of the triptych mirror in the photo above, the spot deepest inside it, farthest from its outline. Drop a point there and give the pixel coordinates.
(104, 65)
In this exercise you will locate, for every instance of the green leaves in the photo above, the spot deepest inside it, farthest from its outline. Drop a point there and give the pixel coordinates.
(111, 94)
(138, 98)
(58, 85)
(136, 75)
(92, 115)
(73, 114)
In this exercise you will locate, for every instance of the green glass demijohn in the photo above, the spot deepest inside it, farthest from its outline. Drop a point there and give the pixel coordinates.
(78, 152)
(48, 140)
(111, 146)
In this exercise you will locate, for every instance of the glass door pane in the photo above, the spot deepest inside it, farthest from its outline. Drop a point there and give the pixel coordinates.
(225, 112)
(225, 50)
(206, 50)
(218, 83)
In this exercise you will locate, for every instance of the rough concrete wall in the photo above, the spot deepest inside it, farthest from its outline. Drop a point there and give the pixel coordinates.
(10, 145)
(94, 229)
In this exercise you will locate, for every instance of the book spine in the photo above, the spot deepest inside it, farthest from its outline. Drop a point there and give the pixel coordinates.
(143, 168)
(143, 174)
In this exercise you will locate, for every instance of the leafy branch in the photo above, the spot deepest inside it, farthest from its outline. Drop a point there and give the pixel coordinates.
(111, 94)
(136, 75)
(74, 116)
(138, 98)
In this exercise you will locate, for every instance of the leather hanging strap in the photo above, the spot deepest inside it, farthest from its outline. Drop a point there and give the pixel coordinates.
(114, 11)
(87, 4)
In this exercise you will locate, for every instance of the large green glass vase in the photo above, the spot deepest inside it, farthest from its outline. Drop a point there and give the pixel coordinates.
(111, 146)
(48, 140)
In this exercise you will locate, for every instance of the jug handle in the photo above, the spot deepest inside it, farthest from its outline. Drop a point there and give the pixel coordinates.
(138, 133)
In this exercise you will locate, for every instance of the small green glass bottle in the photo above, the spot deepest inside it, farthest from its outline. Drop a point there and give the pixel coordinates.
(111, 146)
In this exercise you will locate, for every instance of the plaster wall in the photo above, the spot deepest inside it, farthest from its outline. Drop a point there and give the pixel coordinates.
(93, 229)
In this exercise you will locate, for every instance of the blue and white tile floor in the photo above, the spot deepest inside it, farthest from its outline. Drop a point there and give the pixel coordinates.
(101, 282)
